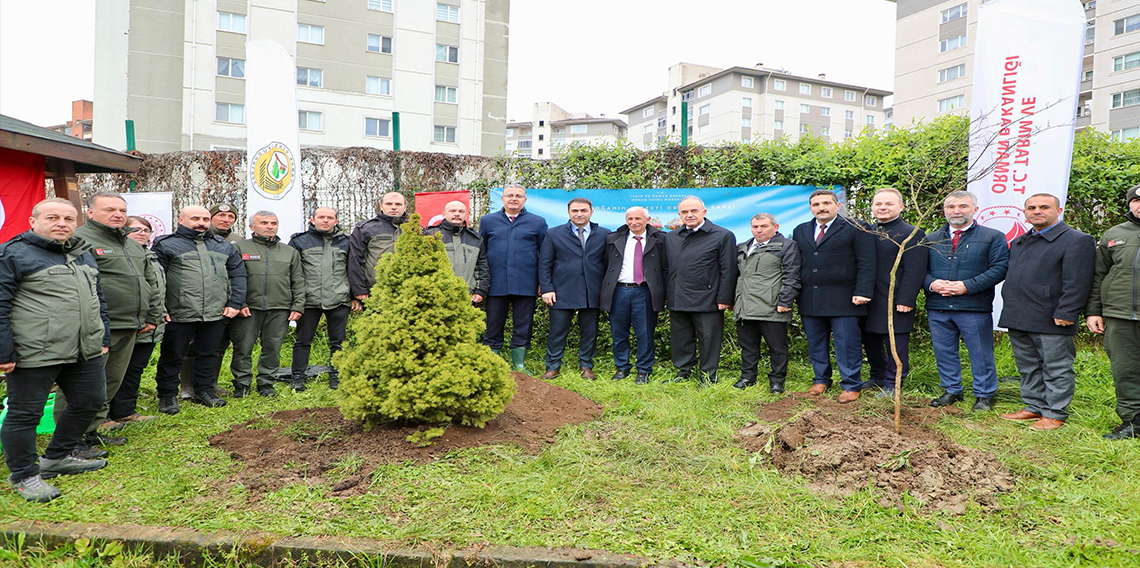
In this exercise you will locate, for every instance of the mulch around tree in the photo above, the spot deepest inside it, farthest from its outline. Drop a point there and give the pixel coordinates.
(304, 446)
(843, 448)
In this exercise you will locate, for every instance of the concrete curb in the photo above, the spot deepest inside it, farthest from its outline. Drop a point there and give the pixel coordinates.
(194, 548)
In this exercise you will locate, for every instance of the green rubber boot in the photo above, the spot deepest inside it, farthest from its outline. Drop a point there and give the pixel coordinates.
(495, 351)
(518, 355)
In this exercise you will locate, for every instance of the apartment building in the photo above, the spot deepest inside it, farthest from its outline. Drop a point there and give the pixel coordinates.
(177, 68)
(742, 104)
(552, 129)
(934, 50)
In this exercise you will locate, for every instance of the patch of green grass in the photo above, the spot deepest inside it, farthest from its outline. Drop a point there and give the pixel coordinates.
(658, 475)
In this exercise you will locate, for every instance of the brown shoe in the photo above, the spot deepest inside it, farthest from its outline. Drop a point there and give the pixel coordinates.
(136, 418)
(587, 374)
(1046, 424)
(550, 374)
(848, 396)
(1021, 416)
(817, 389)
(109, 425)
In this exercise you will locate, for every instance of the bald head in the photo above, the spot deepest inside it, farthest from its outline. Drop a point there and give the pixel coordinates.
(194, 217)
(692, 211)
(455, 212)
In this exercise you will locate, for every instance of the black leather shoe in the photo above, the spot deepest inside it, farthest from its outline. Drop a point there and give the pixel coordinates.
(642, 379)
(209, 399)
(680, 377)
(775, 387)
(84, 451)
(619, 375)
(267, 392)
(983, 404)
(298, 383)
(1123, 432)
(744, 383)
(168, 405)
(97, 439)
(241, 391)
(334, 381)
(946, 399)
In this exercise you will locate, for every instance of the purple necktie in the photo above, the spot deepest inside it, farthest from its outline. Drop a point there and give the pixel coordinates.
(638, 272)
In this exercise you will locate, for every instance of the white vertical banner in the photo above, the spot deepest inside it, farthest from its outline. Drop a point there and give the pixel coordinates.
(274, 151)
(157, 207)
(1026, 71)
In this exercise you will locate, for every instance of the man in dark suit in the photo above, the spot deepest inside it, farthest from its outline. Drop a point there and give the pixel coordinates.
(890, 232)
(838, 280)
(1048, 282)
(701, 285)
(633, 291)
(512, 237)
(571, 266)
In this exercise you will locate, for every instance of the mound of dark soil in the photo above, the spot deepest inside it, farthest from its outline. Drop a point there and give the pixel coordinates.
(313, 446)
(844, 448)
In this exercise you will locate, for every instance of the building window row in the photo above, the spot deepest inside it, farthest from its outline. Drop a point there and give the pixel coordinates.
(308, 33)
(954, 13)
(952, 43)
(444, 134)
(578, 129)
(1126, 134)
(704, 91)
(226, 112)
(446, 53)
(377, 86)
(234, 23)
(447, 13)
(746, 82)
(445, 94)
(1126, 62)
(951, 103)
(646, 112)
(379, 44)
(307, 77)
(231, 67)
(380, 5)
(1127, 98)
(310, 120)
(951, 73)
(379, 127)
(1125, 25)
(780, 85)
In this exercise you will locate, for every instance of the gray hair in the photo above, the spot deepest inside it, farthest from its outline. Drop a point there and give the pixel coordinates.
(688, 197)
(637, 208)
(90, 200)
(263, 214)
(957, 195)
(770, 217)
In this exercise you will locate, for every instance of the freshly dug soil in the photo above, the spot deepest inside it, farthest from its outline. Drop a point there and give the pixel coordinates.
(843, 448)
(311, 442)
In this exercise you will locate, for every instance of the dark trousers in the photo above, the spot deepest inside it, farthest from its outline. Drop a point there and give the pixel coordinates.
(522, 310)
(114, 365)
(690, 331)
(560, 322)
(845, 332)
(336, 320)
(126, 399)
(1122, 343)
(633, 307)
(206, 335)
(976, 330)
(775, 334)
(28, 388)
(186, 374)
(880, 360)
(1045, 363)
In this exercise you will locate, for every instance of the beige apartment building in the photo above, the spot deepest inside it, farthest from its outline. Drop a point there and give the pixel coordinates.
(177, 68)
(934, 50)
(742, 104)
(552, 129)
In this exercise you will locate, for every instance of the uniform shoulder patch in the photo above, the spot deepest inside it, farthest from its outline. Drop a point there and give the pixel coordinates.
(1115, 242)
(251, 257)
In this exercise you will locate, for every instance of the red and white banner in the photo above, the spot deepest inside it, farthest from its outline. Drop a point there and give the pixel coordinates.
(429, 205)
(21, 188)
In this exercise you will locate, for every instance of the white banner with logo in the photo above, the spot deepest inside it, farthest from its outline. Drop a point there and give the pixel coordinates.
(274, 150)
(157, 207)
(1026, 74)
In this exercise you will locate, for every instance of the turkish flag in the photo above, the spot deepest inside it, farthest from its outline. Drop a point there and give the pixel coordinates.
(430, 205)
(21, 188)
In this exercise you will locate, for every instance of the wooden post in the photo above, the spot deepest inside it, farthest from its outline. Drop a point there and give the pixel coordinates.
(67, 184)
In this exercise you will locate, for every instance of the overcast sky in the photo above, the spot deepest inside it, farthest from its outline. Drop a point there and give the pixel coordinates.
(594, 56)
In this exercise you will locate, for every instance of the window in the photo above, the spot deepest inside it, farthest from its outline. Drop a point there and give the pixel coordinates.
(746, 82)
(846, 133)
(746, 102)
(510, 133)
(648, 130)
(378, 86)
(870, 100)
(703, 129)
(849, 114)
(825, 92)
(825, 111)
(524, 145)
(377, 127)
(805, 129)
(1087, 76)
(661, 121)
(231, 67)
(703, 110)
(952, 43)
(780, 85)
(234, 23)
(1129, 24)
(225, 112)
(779, 105)
(804, 109)
(687, 96)
(311, 34)
(647, 112)
(309, 120)
(778, 125)
(1090, 31)
(954, 13)
(951, 73)
(447, 13)
(445, 94)
(446, 53)
(444, 134)
(704, 91)
(951, 103)
(540, 137)
(870, 119)
(1126, 134)
(379, 44)
(381, 5)
(310, 77)
(848, 95)
(746, 123)
(1127, 98)
(581, 128)
(805, 89)
(825, 131)
(1122, 63)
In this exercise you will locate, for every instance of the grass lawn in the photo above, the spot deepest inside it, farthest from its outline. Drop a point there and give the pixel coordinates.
(659, 475)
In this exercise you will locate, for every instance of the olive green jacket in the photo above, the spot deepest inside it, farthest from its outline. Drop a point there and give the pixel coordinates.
(1116, 280)
(130, 284)
(155, 335)
(275, 278)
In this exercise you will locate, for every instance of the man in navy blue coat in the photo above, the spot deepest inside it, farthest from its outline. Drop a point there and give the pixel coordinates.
(837, 278)
(513, 237)
(571, 267)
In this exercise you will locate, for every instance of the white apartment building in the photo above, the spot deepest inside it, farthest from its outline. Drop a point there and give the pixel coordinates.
(177, 69)
(552, 128)
(742, 104)
(934, 49)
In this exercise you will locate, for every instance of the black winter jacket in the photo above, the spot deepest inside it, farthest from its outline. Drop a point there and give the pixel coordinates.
(980, 262)
(908, 279)
(204, 275)
(654, 265)
(1049, 278)
(841, 266)
(702, 268)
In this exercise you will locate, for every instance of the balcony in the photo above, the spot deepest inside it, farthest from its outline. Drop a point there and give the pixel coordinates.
(1083, 121)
